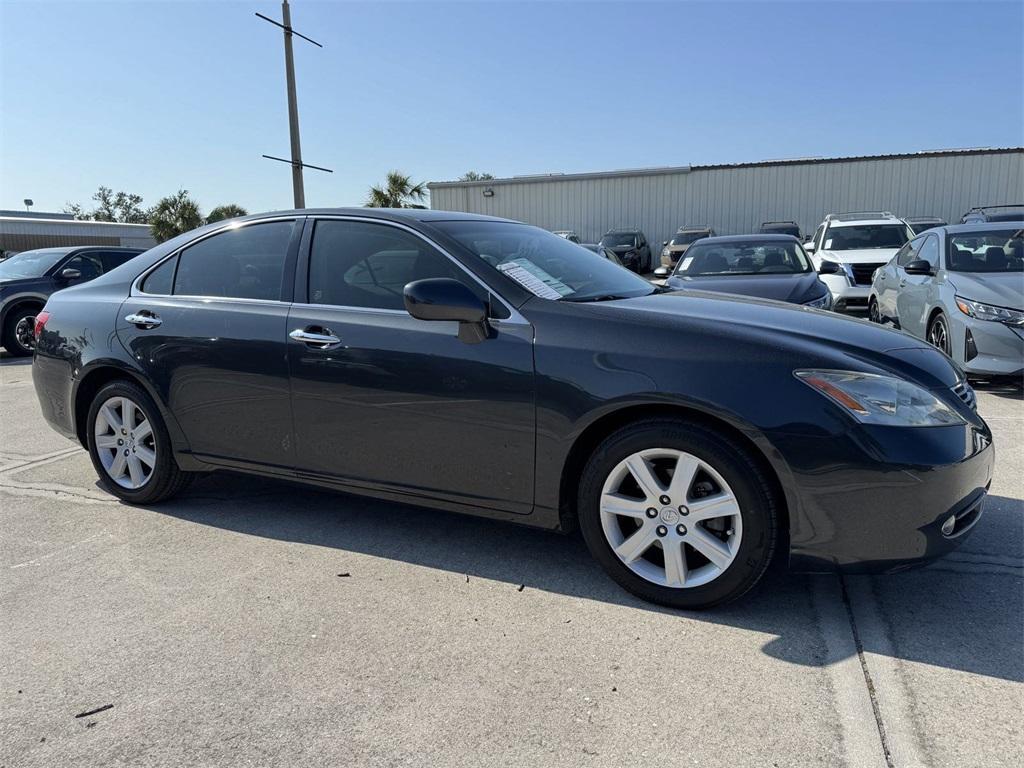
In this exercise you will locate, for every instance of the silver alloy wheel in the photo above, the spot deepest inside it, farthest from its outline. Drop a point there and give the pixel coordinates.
(938, 336)
(671, 518)
(125, 442)
(24, 333)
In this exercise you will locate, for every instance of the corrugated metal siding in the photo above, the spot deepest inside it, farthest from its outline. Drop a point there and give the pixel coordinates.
(21, 234)
(737, 199)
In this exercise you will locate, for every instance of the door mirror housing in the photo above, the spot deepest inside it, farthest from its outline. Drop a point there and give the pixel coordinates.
(830, 268)
(662, 272)
(70, 273)
(809, 246)
(919, 267)
(664, 243)
(441, 298)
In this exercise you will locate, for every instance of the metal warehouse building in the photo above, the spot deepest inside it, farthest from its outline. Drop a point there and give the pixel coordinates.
(737, 198)
(23, 232)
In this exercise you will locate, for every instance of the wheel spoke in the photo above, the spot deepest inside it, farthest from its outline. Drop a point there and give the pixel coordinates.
(682, 477)
(135, 470)
(723, 505)
(110, 416)
(118, 465)
(144, 430)
(713, 549)
(617, 504)
(128, 414)
(106, 441)
(641, 471)
(146, 456)
(637, 544)
(675, 563)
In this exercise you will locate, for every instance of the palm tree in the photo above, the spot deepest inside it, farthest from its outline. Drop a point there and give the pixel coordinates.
(229, 211)
(398, 192)
(174, 215)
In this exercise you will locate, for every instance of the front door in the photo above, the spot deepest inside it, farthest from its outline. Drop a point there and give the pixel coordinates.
(912, 300)
(209, 327)
(385, 402)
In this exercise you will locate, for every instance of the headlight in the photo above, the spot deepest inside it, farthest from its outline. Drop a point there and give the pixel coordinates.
(988, 312)
(885, 400)
(822, 302)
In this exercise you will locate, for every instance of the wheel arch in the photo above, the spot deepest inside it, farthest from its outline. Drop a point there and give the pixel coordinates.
(758, 447)
(17, 302)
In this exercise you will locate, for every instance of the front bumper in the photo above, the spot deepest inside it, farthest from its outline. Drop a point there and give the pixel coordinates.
(846, 295)
(875, 499)
(987, 348)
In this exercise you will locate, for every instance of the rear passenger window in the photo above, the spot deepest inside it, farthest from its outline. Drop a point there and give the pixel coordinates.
(244, 263)
(358, 264)
(161, 279)
(113, 259)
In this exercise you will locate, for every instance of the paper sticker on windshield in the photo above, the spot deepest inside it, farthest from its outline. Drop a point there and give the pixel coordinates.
(534, 279)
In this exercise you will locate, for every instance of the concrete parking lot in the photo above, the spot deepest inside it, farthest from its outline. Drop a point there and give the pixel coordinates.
(254, 623)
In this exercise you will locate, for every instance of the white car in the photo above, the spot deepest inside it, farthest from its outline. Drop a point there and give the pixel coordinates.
(848, 247)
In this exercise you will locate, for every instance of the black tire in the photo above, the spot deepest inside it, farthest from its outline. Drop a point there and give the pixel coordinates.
(750, 484)
(873, 314)
(938, 334)
(10, 331)
(167, 479)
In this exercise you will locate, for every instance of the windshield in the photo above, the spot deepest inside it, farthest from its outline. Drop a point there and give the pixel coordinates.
(743, 258)
(685, 238)
(545, 264)
(30, 263)
(617, 239)
(987, 251)
(865, 236)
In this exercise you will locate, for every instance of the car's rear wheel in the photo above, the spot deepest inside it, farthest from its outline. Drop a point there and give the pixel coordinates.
(873, 314)
(938, 334)
(678, 514)
(19, 331)
(130, 447)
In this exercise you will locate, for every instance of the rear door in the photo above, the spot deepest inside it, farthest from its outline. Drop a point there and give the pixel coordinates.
(400, 405)
(209, 326)
(912, 299)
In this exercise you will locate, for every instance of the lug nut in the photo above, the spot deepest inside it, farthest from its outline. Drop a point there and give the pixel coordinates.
(120, 442)
(684, 510)
(662, 530)
(652, 512)
(666, 500)
(125, 451)
(681, 529)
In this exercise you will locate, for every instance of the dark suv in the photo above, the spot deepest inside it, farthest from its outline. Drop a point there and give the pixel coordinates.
(780, 228)
(982, 214)
(28, 278)
(631, 247)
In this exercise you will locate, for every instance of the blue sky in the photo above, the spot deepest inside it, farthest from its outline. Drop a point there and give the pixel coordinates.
(154, 96)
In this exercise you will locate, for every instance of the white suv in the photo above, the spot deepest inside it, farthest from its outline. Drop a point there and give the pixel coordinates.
(847, 248)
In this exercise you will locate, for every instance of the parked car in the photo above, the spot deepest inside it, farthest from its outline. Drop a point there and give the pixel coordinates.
(780, 228)
(983, 213)
(919, 224)
(632, 247)
(684, 237)
(765, 266)
(962, 288)
(568, 234)
(605, 253)
(479, 365)
(847, 248)
(29, 277)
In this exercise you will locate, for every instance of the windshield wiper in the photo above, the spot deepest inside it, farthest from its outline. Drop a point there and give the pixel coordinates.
(599, 297)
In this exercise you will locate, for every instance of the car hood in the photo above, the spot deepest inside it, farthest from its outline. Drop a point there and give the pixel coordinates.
(14, 283)
(1003, 289)
(857, 255)
(833, 339)
(794, 288)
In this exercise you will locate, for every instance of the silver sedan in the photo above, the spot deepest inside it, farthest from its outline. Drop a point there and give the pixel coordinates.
(960, 287)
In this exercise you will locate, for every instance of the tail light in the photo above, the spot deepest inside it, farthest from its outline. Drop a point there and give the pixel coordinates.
(41, 319)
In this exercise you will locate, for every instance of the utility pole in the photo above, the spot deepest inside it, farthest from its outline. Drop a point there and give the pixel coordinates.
(296, 163)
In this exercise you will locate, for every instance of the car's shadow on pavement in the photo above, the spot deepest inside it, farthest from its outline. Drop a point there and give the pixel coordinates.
(964, 621)
(1008, 387)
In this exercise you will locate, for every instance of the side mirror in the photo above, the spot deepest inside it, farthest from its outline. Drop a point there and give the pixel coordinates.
(919, 267)
(664, 243)
(441, 298)
(662, 272)
(809, 246)
(69, 274)
(829, 268)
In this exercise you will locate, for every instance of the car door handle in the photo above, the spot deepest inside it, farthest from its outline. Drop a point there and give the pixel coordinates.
(143, 319)
(902, 283)
(315, 339)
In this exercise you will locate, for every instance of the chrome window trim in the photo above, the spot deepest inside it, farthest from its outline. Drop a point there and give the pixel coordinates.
(514, 318)
(136, 288)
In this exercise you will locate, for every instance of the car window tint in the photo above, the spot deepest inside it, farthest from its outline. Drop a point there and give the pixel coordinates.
(161, 279)
(112, 259)
(88, 264)
(359, 264)
(930, 250)
(244, 263)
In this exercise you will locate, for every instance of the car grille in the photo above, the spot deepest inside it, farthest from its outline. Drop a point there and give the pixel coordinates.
(862, 272)
(964, 392)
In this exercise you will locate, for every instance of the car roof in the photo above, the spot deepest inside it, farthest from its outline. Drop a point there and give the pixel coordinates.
(923, 219)
(386, 214)
(694, 228)
(837, 223)
(627, 230)
(765, 237)
(981, 226)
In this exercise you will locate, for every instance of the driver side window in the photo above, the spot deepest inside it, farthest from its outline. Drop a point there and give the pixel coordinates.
(88, 264)
(930, 251)
(908, 253)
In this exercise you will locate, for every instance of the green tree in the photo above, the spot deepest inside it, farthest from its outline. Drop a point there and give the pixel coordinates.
(174, 215)
(474, 176)
(123, 207)
(397, 192)
(229, 211)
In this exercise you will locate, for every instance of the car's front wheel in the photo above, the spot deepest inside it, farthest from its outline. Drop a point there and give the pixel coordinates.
(19, 331)
(678, 514)
(873, 314)
(938, 334)
(130, 447)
